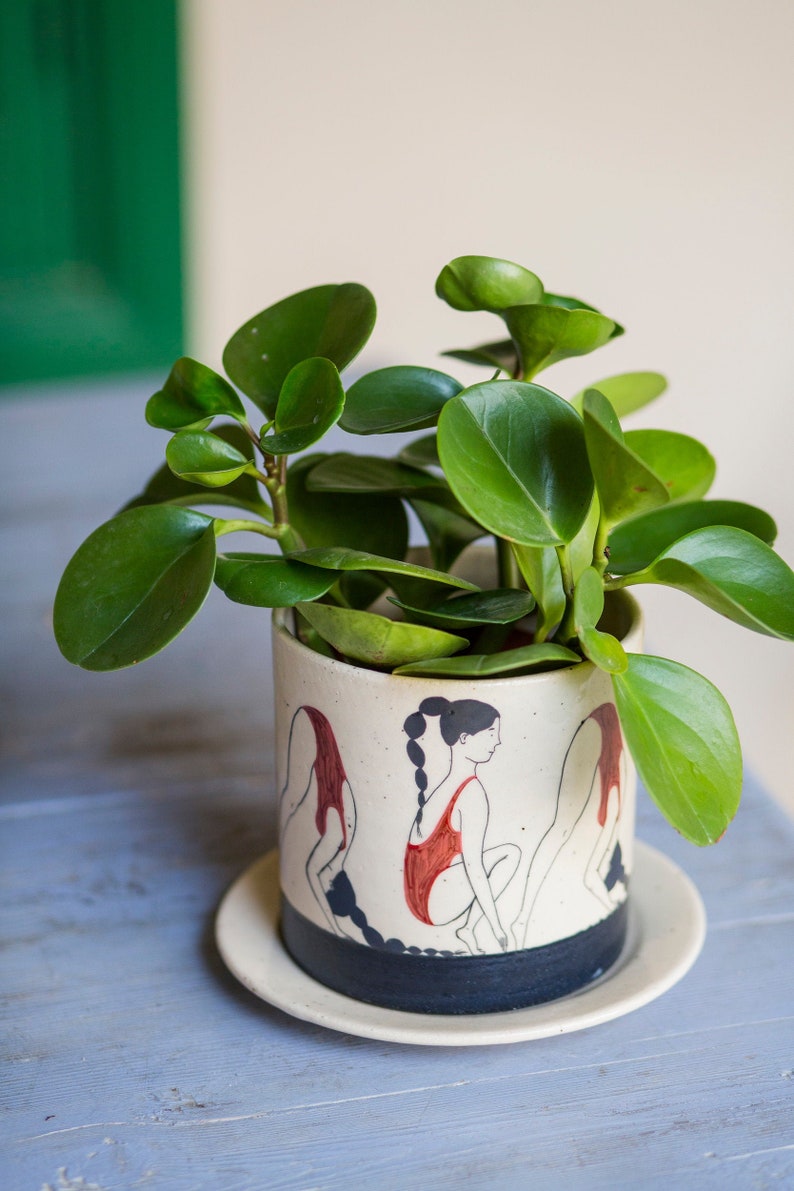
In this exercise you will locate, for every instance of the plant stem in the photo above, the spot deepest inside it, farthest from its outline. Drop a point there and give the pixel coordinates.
(567, 628)
(252, 434)
(276, 485)
(289, 539)
(600, 554)
(223, 526)
(566, 570)
(616, 582)
(336, 596)
(508, 571)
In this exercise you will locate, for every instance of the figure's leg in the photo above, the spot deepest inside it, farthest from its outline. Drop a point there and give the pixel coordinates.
(301, 755)
(325, 860)
(598, 864)
(452, 896)
(328, 857)
(599, 867)
(349, 812)
(573, 797)
(500, 864)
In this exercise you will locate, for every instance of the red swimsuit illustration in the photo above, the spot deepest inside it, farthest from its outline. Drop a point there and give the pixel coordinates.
(597, 736)
(325, 785)
(448, 872)
(426, 861)
(450, 876)
(335, 815)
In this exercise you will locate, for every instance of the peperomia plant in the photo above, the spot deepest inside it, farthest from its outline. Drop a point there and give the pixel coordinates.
(575, 507)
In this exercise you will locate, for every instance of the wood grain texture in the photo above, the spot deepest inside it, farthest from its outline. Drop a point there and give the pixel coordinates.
(133, 1059)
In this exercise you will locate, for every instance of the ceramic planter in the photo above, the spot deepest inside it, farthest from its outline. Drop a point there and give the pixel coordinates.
(449, 846)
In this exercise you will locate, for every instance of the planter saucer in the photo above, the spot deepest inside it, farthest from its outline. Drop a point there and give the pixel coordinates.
(666, 933)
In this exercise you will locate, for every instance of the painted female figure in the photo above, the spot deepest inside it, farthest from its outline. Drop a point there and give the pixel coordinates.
(448, 872)
(328, 790)
(592, 776)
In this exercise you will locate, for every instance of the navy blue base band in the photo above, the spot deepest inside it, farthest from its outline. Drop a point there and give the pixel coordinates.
(453, 984)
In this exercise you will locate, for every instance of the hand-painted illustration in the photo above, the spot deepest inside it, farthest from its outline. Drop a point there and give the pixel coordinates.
(315, 772)
(335, 814)
(596, 749)
(448, 872)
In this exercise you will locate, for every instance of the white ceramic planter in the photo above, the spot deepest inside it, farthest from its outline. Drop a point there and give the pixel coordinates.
(449, 846)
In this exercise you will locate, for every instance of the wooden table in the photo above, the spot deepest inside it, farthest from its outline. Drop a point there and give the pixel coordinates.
(129, 802)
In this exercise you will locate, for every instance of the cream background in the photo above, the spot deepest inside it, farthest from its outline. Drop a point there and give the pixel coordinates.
(638, 155)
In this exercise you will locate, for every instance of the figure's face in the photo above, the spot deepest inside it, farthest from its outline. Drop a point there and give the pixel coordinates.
(480, 746)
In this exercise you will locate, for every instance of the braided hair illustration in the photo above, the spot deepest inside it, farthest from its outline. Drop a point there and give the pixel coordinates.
(449, 874)
(454, 718)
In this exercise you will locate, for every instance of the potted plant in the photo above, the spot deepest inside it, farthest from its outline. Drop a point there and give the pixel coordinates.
(414, 876)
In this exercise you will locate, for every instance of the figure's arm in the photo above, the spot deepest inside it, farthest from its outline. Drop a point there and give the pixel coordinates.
(472, 810)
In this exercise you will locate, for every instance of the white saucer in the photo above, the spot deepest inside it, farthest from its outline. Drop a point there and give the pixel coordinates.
(666, 932)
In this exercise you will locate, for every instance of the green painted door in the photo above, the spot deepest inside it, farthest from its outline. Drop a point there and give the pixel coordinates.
(89, 187)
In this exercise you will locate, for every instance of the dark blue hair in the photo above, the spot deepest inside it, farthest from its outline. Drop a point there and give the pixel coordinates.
(454, 718)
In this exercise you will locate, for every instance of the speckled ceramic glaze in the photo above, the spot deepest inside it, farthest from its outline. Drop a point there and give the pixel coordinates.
(449, 846)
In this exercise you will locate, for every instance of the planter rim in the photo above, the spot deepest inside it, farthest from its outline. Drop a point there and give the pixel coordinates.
(632, 636)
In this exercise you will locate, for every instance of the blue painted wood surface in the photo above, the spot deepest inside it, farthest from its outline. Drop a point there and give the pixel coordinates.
(133, 1059)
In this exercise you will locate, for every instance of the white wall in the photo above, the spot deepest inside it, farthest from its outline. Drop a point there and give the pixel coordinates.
(638, 155)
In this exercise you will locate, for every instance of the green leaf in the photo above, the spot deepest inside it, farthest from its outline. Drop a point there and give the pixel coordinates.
(733, 573)
(310, 402)
(310, 637)
(499, 606)
(487, 283)
(625, 484)
(681, 735)
(502, 355)
(192, 396)
(270, 581)
(603, 650)
(588, 599)
(164, 487)
(333, 321)
(343, 472)
(360, 589)
(362, 521)
(449, 531)
(565, 302)
(133, 586)
(540, 569)
(510, 661)
(635, 544)
(339, 558)
(685, 466)
(376, 640)
(515, 457)
(420, 452)
(546, 334)
(395, 399)
(203, 458)
(582, 546)
(627, 391)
